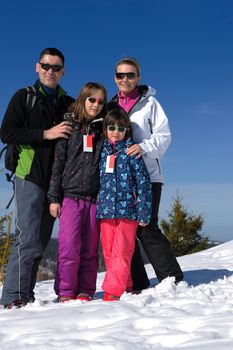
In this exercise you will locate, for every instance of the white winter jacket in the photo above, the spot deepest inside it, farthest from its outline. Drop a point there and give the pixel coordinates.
(150, 130)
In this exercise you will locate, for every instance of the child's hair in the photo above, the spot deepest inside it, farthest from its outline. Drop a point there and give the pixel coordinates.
(119, 117)
(78, 107)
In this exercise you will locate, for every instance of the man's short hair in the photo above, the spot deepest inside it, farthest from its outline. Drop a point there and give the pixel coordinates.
(54, 52)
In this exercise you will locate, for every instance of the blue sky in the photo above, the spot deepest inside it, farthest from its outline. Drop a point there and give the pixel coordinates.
(186, 53)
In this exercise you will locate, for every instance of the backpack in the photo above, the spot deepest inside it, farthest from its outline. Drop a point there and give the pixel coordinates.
(12, 150)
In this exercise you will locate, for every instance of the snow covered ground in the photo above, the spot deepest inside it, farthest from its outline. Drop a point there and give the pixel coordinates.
(196, 314)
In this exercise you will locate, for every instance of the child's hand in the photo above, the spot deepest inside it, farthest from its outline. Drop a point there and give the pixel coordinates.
(142, 224)
(55, 209)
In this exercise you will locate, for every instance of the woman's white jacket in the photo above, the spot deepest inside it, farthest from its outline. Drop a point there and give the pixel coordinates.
(150, 130)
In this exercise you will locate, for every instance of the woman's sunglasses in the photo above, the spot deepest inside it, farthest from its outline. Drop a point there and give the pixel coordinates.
(118, 128)
(129, 75)
(94, 100)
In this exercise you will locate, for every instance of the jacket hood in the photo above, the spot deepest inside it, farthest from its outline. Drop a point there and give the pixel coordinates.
(145, 90)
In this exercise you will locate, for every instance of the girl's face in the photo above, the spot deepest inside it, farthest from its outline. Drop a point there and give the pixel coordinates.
(94, 104)
(115, 133)
(126, 78)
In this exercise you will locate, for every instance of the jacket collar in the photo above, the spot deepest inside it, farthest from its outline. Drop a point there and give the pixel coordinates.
(60, 91)
(117, 146)
(142, 90)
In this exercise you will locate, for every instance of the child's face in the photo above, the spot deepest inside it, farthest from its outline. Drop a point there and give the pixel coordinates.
(115, 133)
(94, 104)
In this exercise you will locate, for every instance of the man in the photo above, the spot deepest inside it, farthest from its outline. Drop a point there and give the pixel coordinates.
(35, 132)
(151, 134)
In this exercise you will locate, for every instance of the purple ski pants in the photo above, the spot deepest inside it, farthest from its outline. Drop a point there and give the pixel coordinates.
(78, 242)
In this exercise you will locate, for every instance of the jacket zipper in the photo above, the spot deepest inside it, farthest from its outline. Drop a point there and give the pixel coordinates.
(150, 125)
(158, 166)
(139, 98)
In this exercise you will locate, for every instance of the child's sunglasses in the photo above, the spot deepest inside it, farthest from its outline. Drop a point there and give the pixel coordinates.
(94, 100)
(118, 128)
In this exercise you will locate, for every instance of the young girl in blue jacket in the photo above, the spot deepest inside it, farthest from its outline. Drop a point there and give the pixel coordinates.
(72, 196)
(124, 202)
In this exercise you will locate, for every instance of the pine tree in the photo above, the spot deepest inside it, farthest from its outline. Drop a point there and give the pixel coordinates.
(5, 242)
(182, 230)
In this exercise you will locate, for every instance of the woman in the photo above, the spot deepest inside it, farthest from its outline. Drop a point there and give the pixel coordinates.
(151, 136)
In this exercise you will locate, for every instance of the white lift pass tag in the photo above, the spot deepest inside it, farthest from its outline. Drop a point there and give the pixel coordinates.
(110, 164)
(87, 143)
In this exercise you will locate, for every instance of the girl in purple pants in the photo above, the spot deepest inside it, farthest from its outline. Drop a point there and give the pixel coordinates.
(72, 196)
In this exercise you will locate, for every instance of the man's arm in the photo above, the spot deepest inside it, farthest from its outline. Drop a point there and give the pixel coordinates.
(13, 128)
(63, 129)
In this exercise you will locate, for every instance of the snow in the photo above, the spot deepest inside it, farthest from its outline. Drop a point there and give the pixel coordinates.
(195, 314)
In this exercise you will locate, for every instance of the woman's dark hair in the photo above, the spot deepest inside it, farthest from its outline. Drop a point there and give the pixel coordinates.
(119, 117)
(53, 52)
(78, 107)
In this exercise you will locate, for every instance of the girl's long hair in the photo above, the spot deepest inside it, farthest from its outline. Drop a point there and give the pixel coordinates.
(78, 107)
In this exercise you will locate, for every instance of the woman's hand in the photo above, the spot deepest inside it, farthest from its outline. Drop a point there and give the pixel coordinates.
(135, 150)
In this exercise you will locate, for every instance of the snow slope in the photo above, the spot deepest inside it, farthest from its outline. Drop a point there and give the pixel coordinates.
(196, 314)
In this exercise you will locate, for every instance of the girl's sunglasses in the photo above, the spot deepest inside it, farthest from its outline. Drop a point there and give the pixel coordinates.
(94, 100)
(118, 128)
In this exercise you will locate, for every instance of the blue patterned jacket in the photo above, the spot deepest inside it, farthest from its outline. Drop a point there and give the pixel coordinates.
(126, 193)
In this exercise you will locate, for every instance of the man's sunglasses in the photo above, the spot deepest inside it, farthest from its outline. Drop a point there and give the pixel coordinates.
(94, 100)
(54, 67)
(119, 128)
(129, 75)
